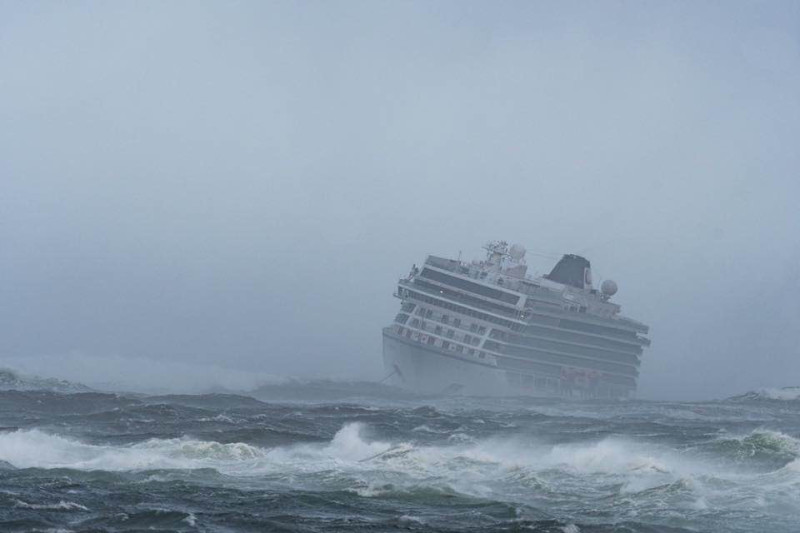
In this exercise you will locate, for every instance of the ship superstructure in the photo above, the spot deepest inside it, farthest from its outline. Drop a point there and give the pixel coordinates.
(486, 327)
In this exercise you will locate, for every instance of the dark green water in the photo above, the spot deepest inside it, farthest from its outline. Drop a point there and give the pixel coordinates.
(303, 458)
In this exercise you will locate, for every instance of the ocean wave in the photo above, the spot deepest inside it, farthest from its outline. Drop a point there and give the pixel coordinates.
(12, 380)
(152, 519)
(140, 374)
(789, 394)
(758, 446)
(504, 465)
(636, 476)
(425, 428)
(62, 505)
(352, 445)
(37, 449)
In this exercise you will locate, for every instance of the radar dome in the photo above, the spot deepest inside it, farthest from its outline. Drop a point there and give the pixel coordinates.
(609, 287)
(517, 252)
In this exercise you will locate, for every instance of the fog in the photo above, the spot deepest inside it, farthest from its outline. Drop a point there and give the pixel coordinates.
(233, 189)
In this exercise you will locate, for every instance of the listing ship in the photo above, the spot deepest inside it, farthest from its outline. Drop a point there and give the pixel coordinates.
(487, 327)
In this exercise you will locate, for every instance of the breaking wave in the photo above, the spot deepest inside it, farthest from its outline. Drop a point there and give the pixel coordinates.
(37, 449)
(353, 445)
(495, 468)
(757, 446)
(789, 394)
(218, 462)
(422, 457)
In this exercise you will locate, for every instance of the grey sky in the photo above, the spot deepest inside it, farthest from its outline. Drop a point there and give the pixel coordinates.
(240, 184)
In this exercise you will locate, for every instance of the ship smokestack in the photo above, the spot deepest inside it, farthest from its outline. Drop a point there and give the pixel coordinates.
(572, 270)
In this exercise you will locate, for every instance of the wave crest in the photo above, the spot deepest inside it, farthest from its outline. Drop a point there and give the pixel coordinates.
(62, 505)
(639, 473)
(786, 394)
(37, 449)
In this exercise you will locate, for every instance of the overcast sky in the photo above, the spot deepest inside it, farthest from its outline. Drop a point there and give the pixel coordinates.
(240, 184)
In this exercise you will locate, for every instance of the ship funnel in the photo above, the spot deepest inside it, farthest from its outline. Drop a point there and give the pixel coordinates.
(572, 270)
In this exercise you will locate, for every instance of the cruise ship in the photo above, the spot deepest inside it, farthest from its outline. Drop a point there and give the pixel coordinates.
(488, 328)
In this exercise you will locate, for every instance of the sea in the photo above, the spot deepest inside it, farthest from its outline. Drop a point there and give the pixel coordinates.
(351, 456)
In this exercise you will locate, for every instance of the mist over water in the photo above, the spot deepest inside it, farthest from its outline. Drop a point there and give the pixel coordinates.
(239, 186)
(205, 208)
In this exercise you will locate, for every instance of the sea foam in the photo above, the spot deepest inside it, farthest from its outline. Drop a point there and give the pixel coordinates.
(641, 474)
(35, 448)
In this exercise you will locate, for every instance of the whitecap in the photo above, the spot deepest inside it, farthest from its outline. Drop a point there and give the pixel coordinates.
(35, 448)
(62, 505)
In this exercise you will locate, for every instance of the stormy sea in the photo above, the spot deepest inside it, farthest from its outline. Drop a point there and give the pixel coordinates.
(327, 456)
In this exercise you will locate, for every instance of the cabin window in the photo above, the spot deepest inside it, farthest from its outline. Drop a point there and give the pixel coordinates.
(445, 345)
(431, 340)
(450, 333)
(459, 348)
(438, 330)
(457, 322)
(445, 319)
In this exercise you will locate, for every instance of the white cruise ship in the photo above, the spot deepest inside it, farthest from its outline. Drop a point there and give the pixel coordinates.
(486, 327)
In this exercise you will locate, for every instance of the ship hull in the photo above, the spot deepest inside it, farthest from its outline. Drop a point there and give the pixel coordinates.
(426, 370)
